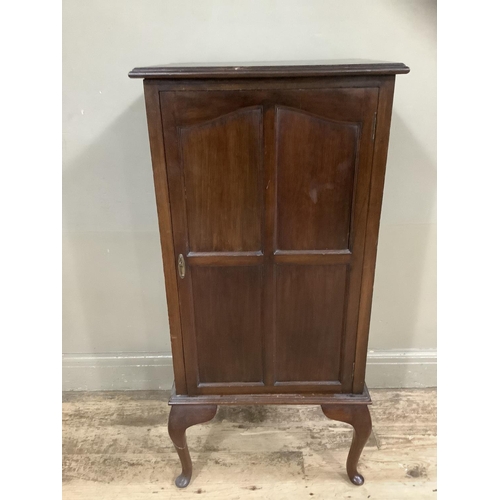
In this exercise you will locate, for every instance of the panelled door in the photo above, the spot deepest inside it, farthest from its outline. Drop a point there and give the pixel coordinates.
(269, 196)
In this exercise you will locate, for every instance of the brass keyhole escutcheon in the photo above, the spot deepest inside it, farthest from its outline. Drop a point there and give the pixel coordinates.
(181, 266)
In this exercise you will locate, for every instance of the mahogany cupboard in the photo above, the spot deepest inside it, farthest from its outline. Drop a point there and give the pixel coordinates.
(269, 184)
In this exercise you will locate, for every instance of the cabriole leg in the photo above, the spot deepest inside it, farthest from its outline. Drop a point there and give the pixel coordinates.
(359, 417)
(181, 417)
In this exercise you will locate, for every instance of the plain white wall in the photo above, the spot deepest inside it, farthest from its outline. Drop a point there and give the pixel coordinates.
(113, 292)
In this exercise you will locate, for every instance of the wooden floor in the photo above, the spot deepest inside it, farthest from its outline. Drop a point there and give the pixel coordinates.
(116, 446)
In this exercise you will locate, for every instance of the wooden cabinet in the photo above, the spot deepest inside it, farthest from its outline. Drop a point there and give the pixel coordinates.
(269, 187)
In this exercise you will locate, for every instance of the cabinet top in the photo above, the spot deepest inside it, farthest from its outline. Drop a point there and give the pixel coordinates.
(344, 67)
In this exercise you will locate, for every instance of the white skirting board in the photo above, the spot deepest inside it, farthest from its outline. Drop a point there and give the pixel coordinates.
(153, 371)
(394, 369)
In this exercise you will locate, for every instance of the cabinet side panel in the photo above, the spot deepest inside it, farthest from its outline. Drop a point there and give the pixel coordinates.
(372, 229)
(155, 129)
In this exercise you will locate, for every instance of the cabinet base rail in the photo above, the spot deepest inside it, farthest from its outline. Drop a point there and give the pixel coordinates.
(352, 409)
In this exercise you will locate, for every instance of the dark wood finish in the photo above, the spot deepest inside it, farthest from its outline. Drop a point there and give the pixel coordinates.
(270, 399)
(221, 164)
(152, 99)
(271, 69)
(181, 417)
(236, 187)
(311, 257)
(219, 186)
(269, 309)
(381, 137)
(359, 417)
(314, 199)
(260, 84)
(228, 324)
(225, 258)
(269, 184)
(310, 319)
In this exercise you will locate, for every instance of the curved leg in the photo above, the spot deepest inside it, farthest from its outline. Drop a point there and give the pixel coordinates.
(359, 417)
(181, 417)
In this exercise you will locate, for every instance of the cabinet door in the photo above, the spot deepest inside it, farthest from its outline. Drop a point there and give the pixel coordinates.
(269, 191)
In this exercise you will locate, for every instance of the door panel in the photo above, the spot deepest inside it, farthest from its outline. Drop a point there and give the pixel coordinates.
(310, 315)
(228, 324)
(221, 163)
(316, 161)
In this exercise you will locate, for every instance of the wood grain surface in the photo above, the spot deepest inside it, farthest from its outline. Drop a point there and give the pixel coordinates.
(275, 69)
(269, 191)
